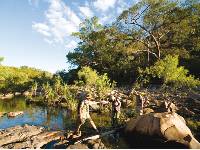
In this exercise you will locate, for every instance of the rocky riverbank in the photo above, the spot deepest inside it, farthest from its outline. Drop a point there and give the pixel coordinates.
(154, 130)
(29, 136)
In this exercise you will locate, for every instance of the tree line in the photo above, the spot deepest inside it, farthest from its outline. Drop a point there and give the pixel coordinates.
(13, 79)
(141, 37)
(152, 42)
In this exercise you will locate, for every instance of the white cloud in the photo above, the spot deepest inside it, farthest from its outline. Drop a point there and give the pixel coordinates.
(104, 5)
(71, 45)
(60, 21)
(41, 28)
(86, 11)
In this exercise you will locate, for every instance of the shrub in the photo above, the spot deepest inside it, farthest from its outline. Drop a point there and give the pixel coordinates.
(169, 73)
(98, 85)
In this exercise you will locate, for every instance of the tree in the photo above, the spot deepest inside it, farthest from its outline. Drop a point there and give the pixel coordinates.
(13, 79)
(143, 34)
(170, 73)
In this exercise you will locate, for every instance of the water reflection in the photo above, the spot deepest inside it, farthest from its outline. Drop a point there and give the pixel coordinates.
(52, 118)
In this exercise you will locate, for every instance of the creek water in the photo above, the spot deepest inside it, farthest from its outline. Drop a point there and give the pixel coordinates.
(53, 118)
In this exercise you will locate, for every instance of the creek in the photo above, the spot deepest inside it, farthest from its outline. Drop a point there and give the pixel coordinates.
(52, 118)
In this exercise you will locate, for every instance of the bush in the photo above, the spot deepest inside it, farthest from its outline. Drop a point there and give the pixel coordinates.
(97, 85)
(169, 73)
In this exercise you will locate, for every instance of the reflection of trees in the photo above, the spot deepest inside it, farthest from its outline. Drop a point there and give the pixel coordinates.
(15, 104)
(69, 119)
(31, 111)
(51, 115)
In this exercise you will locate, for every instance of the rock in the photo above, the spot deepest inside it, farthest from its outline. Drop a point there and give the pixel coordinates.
(61, 145)
(14, 114)
(78, 146)
(20, 137)
(157, 128)
(94, 107)
(95, 144)
(147, 111)
(164, 106)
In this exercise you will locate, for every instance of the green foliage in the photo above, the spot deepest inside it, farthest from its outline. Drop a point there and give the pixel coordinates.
(194, 126)
(146, 32)
(21, 79)
(169, 72)
(1, 59)
(54, 93)
(94, 82)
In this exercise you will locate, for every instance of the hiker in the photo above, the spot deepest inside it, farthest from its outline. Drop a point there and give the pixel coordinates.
(83, 112)
(116, 105)
(140, 100)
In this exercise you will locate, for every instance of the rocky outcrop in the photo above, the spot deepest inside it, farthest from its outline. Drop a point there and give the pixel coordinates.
(31, 137)
(20, 137)
(89, 144)
(160, 130)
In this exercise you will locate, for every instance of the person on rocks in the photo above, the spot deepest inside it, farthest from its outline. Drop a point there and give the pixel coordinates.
(116, 106)
(83, 112)
(140, 101)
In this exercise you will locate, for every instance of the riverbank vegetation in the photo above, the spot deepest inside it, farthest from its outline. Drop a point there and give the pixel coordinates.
(150, 52)
(150, 43)
(13, 79)
(59, 93)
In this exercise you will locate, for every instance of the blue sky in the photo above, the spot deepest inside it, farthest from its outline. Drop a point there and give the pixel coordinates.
(37, 33)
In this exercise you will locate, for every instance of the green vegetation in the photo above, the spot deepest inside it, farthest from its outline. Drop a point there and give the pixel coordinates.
(21, 79)
(1, 59)
(95, 83)
(145, 33)
(168, 72)
(152, 42)
(54, 93)
(57, 92)
(194, 126)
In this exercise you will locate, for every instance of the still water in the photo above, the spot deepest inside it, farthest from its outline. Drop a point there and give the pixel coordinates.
(49, 117)
(52, 118)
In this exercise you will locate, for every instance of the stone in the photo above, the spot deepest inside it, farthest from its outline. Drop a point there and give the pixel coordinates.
(147, 111)
(78, 146)
(27, 136)
(157, 128)
(14, 114)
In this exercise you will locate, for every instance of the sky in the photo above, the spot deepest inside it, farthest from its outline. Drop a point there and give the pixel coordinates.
(37, 33)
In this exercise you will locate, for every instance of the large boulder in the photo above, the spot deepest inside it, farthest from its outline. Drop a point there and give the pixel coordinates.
(160, 130)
